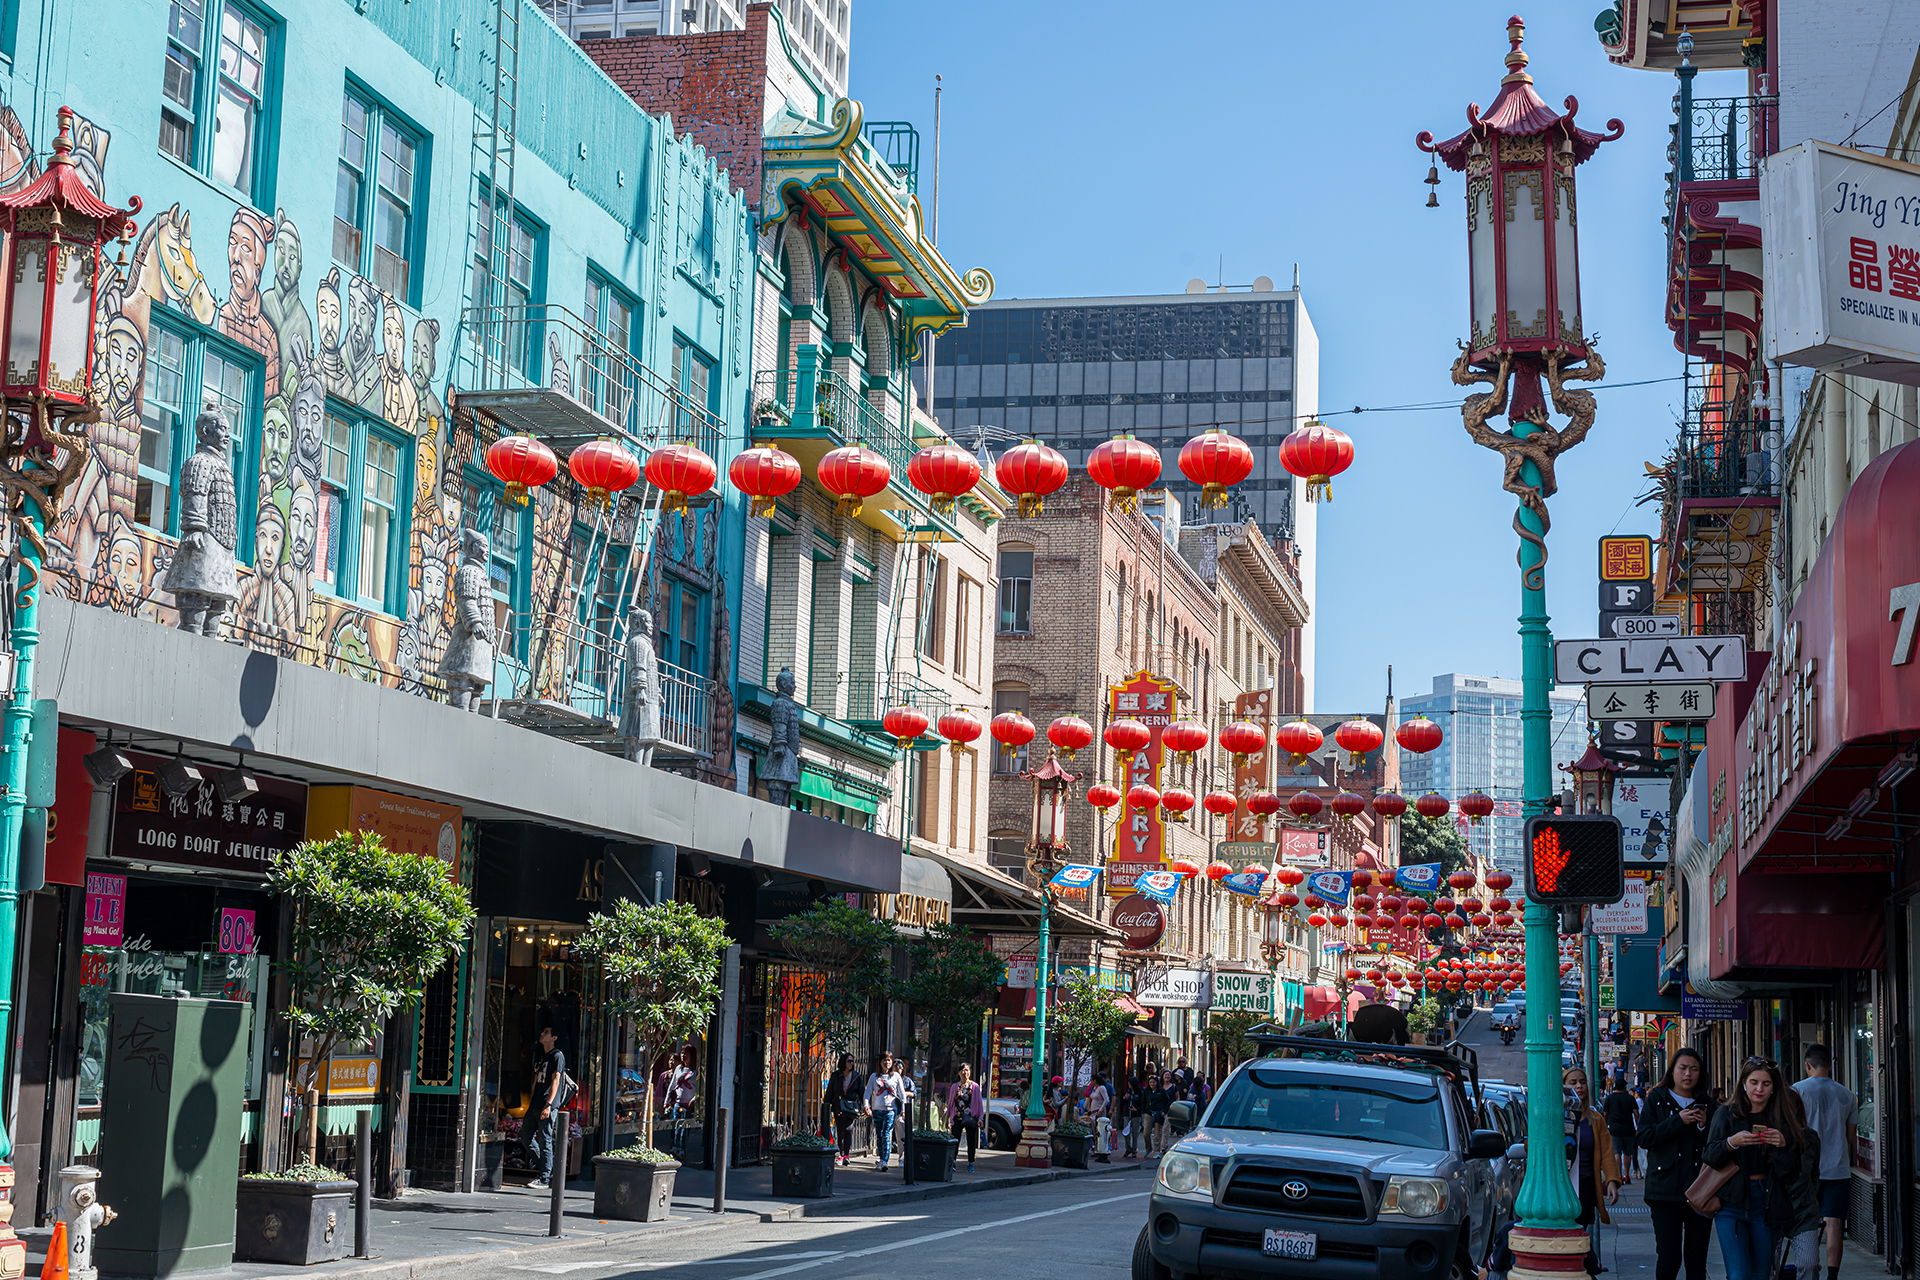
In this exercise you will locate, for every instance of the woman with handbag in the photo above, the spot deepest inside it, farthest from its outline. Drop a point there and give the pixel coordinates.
(1758, 1143)
(840, 1105)
(967, 1111)
(1596, 1170)
(1673, 1133)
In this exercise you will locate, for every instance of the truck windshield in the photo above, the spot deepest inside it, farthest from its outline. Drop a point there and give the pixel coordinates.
(1403, 1113)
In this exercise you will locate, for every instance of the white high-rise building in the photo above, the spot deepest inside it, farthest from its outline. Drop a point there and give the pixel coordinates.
(1482, 750)
(820, 29)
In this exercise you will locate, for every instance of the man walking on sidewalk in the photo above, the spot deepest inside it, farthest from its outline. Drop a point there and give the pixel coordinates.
(1830, 1106)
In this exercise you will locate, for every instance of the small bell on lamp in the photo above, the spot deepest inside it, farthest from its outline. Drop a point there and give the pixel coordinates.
(1433, 186)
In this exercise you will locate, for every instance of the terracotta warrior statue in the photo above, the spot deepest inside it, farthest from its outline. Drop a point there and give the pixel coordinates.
(202, 577)
(467, 666)
(781, 772)
(640, 710)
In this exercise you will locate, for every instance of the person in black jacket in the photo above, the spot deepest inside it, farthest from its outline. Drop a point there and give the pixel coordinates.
(840, 1104)
(1619, 1110)
(1761, 1131)
(1673, 1133)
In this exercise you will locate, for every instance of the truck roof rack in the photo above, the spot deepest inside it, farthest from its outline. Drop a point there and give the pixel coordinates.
(1456, 1058)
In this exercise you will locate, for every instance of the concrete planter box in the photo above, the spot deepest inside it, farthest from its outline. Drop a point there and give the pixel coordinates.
(1071, 1152)
(633, 1190)
(933, 1159)
(803, 1172)
(293, 1223)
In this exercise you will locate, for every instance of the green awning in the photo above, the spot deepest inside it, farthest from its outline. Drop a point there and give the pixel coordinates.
(823, 786)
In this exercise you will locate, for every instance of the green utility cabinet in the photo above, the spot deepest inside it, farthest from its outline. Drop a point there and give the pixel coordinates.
(170, 1133)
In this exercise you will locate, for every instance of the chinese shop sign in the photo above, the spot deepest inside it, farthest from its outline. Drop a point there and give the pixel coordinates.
(406, 824)
(1254, 773)
(1139, 836)
(199, 829)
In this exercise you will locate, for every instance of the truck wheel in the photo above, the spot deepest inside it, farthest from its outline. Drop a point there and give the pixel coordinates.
(1144, 1267)
(999, 1136)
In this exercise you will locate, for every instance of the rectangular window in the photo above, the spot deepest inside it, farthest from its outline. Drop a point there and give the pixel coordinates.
(188, 370)
(376, 194)
(933, 607)
(610, 384)
(1016, 592)
(516, 290)
(237, 43)
(967, 608)
(680, 628)
(1009, 700)
(926, 815)
(361, 536)
(693, 378)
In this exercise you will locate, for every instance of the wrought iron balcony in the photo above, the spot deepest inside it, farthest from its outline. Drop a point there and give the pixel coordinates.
(871, 694)
(1719, 139)
(1721, 456)
(544, 370)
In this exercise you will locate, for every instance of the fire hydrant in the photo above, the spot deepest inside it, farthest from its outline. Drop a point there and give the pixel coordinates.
(77, 1204)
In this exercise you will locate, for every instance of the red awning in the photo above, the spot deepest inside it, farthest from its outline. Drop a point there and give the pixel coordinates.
(1324, 1002)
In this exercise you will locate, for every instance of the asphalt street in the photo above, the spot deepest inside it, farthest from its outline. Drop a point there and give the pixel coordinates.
(1073, 1230)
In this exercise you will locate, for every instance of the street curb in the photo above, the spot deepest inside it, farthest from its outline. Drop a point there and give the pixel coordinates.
(933, 1191)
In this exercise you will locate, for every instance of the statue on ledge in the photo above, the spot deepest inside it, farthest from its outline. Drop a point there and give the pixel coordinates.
(781, 772)
(203, 578)
(467, 666)
(640, 710)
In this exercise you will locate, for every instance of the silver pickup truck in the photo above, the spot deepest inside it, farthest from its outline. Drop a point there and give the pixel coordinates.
(1340, 1160)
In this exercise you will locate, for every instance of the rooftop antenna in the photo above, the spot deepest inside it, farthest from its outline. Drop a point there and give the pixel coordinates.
(1296, 277)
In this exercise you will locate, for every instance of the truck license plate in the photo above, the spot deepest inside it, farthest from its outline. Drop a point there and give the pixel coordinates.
(1290, 1244)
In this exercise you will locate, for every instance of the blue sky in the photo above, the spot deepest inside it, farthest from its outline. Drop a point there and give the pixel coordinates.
(1092, 148)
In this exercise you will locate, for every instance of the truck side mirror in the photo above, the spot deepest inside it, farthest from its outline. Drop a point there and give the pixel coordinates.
(1486, 1144)
(1180, 1115)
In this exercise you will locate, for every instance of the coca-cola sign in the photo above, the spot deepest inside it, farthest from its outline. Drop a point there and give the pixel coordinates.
(1140, 921)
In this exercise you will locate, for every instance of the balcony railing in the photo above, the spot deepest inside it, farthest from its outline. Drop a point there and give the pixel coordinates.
(542, 369)
(582, 687)
(1720, 139)
(1722, 457)
(871, 694)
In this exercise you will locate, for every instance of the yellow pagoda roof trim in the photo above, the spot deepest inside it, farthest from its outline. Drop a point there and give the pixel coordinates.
(869, 210)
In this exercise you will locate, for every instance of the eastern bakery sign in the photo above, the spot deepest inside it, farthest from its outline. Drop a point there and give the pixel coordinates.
(199, 829)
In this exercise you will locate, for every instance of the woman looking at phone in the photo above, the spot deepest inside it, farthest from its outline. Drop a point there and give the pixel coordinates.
(1673, 1133)
(1761, 1132)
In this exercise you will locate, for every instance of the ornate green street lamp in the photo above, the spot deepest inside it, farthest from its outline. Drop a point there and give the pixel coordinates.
(1526, 341)
(1046, 854)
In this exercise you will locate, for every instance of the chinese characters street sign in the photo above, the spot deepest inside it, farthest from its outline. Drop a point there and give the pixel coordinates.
(1650, 701)
(1626, 559)
(1255, 773)
(1138, 835)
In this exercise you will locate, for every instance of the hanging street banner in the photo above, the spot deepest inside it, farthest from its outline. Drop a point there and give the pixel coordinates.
(1650, 701)
(1331, 885)
(1245, 883)
(1074, 877)
(1255, 773)
(1657, 660)
(1420, 877)
(1242, 993)
(1158, 885)
(1138, 835)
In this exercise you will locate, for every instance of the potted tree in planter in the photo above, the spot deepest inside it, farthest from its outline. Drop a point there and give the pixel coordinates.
(952, 983)
(1227, 1032)
(662, 966)
(1089, 1023)
(851, 954)
(371, 926)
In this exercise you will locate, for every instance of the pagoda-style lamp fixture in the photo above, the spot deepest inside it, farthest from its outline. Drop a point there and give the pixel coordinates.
(1593, 777)
(1046, 852)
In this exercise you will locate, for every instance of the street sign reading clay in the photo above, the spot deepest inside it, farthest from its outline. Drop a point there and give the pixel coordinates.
(1650, 660)
(1651, 701)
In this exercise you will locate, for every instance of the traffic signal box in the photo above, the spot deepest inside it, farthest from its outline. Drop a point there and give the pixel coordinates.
(1575, 860)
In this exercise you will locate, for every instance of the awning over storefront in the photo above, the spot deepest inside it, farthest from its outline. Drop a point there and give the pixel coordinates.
(1324, 1002)
(824, 785)
(990, 901)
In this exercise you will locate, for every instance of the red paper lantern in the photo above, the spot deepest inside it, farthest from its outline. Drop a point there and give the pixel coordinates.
(1184, 737)
(1317, 920)
(1219, 870)
(1499, 881)
(1290, 875)
(1102, 796)
(1317, 453)
(943, 472)
(1384, 875)
(1012, 731)
(1363, 902)
(1361, 878)
(1356, 737)
(1410, 920)
(1298, 739)
(1443, 904)
(1263, 804)
(1432, 805)
(853, 473)
(1337, 920)
(1500, 904)
(1128, 736)
(1418, 735)
(1141, 796)
(1477, 805)
(1216, 462)
(960, 727)
(764, 473)
(1220, 803)
(905, 724)
(1178, 802)
(1287, 899)
(1347, 805)
(1456, 921)
(1432, 920)
(1471, 905)
(1123, 466)
(1313, 900)
(1243, 738)
(1374, 975)
(1389, 804)
(1030, 472)
(1305, 805)
(679, 472)
(1070, 734)
(1461, 879)
(521, 463)
(603, 468)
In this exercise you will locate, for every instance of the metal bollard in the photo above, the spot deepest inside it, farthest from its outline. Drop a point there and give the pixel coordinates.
(906, 1144)
(562, 1139)
(722, 1157)
(363, 1177)
(77, 1204)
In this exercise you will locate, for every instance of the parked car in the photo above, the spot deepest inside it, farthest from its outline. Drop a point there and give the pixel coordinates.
(1004, 1119)
(1337, 1162)
(1506, 1110)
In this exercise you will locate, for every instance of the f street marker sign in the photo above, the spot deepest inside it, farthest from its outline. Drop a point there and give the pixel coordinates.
(1651, 660)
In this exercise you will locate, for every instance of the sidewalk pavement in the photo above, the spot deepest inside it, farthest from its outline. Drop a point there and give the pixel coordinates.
(1626, 1247)
(433, 1231)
